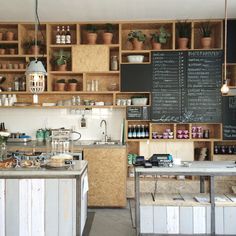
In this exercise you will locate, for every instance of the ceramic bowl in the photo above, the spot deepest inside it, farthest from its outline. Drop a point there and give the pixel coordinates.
(135, 58)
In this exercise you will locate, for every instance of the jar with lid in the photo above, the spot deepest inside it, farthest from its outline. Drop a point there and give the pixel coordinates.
(16, 84)
(114, 63)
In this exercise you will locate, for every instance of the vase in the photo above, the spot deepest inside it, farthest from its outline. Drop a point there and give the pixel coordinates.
(3, 151)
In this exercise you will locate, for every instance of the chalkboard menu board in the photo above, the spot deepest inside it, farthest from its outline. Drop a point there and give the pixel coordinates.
(202, 105)
(167, 105)
(204, 69)
(186, 86)
(229, 117)
(168, 69)
(137, 113)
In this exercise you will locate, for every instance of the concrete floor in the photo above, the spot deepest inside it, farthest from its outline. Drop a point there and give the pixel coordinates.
(111, 222)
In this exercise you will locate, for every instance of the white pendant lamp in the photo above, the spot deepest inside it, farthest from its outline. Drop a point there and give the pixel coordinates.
(225, 89)
(35, 71)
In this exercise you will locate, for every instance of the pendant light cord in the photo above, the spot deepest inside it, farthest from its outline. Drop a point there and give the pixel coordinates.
(225, 45)
(36, 29)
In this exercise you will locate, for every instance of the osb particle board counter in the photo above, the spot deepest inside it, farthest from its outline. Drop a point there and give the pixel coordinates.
(107, 170)
(43, 201)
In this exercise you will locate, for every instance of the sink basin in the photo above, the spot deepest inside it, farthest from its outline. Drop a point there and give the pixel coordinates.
(106, 143)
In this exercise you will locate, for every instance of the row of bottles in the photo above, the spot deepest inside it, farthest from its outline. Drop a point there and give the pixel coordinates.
(138, 131)
(224, 149)
(2, 126)
(62, 36)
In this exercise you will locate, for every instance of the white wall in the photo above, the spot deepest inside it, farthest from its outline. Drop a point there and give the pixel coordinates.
(29, 120)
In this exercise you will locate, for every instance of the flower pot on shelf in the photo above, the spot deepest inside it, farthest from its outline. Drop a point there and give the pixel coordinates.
(12, 51)
(2, 51)
(4, 66)
(92, 38)
(72, 86)
(156, 46)
(21, 66)
(61, 86)
(107, 38)
(35, 49)
(206, 42)
(9, 36)
(62, 67)
(183, 43)
(137, 45)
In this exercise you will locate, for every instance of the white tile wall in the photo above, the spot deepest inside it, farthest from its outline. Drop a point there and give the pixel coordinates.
(29, 120)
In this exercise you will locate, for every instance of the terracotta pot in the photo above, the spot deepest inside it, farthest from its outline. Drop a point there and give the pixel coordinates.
(92, 38)
(183, 43)
(35, 50)
(4, 66)
(12, 51)
(137, 45)
(72, 86)
(2, 51)
(21, 66)
(1, 36)
(62, 67)
(107, 38)
(15, 66)
(9, 36)
(61, 86)
(206, 42)
(156, 46)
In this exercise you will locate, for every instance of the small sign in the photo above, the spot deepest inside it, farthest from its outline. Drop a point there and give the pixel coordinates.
(137, 113)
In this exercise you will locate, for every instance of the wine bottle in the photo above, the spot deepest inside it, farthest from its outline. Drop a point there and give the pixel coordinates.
(63, 35)
(68, 35)
(58, 35)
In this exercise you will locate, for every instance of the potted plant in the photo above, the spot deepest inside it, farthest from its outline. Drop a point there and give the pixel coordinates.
(159, 38)
(72, 84)
(31, 48)
(9, 35)
(2, 49)
(91, 34)
(184, 33)
(205, 29)
(11, 49)
(137, 38)
(61, 59)
(108, 33)
(61, 83)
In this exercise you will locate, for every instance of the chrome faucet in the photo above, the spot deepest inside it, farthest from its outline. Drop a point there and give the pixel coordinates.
(105, 131)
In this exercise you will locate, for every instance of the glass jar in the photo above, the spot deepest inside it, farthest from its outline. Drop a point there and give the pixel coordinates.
(3, 151)
(114, 63)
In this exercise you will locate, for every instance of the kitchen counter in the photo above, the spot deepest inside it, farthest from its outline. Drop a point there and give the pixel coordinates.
(33, 146)
(43, 201)
(76, 170)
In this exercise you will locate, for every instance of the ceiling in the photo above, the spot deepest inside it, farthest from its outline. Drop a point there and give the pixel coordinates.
(108, 10)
